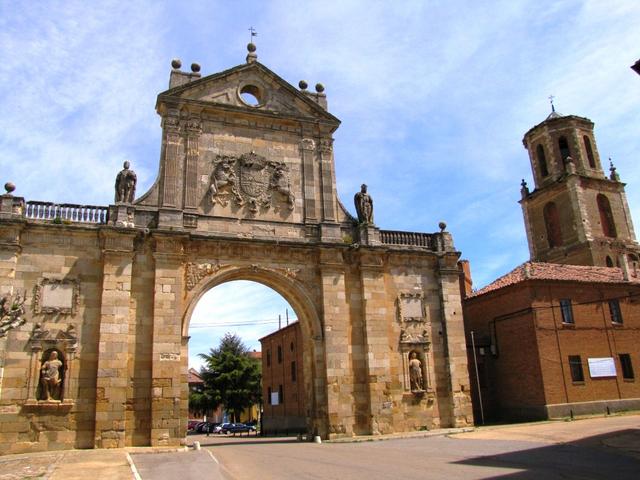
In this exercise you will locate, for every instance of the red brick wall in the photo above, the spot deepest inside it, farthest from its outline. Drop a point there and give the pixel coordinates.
(289, 339)
(531, 368)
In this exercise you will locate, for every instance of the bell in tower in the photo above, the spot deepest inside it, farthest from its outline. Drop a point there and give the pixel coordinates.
(575, 214)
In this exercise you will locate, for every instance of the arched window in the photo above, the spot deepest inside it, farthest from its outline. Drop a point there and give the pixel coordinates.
(552, 222)
(587, 147)
(564, 148)
(542, 161)
(606, 216)
(609, 261)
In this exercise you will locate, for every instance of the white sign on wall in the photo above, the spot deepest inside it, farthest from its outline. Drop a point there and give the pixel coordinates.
(602, 367)
(275, 400)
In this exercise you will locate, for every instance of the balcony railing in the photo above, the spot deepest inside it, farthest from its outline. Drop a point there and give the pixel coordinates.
(416, 239)
(65, 212)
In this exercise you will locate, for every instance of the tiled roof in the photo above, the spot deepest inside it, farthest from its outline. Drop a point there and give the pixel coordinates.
(558, 272)
(256, 355)
(193, 376)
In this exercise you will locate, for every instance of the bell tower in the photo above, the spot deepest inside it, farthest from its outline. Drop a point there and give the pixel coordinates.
(575, 214)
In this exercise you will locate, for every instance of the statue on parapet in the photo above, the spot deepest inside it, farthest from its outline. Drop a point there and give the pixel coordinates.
(126, 184)
(364, 205)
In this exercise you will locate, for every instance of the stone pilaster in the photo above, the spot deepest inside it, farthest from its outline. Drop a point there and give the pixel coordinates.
(111, 384)
(457, 411)
(172, 161)
(340, 406)
(167, 376)
(191, 163)
(307, 151)
(376, 318)
(327, 180)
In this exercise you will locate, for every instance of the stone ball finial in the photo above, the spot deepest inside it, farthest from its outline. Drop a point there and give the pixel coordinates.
(303, 85)
(251, 47)
(319, 87)
(195, 67)
(9, 187)
(442, 226)
(176, 63)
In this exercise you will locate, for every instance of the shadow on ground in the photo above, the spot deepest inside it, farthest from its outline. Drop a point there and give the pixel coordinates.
(588, 458)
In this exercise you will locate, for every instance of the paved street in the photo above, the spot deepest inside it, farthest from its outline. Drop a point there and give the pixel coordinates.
(557, 450)
(597, 448)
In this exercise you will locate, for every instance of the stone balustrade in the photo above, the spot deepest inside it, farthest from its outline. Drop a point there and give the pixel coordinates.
(65, 212)
(416, 239)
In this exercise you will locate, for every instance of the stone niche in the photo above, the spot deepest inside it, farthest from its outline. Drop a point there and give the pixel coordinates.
(414, 343)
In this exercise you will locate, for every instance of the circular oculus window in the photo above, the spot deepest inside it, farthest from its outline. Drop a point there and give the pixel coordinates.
(251, 95)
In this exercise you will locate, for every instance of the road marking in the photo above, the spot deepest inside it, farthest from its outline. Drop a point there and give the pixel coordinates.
(136, 475)
(212, 456)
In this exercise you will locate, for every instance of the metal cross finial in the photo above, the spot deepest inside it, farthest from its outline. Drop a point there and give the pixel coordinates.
(253, 33)
(553, 108)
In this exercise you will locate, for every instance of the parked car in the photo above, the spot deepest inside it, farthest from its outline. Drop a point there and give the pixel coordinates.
(210, 427)
(199, 426)
(191, 424)
(238, 428)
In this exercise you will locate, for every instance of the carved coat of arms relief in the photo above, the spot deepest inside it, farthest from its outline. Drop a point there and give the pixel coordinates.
(250, 180)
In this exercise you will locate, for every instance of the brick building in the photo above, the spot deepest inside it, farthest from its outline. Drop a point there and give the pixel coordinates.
(282, 381)
(543, 334)
(559, 335)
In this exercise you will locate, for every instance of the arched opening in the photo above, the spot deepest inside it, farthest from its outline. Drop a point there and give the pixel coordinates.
(589, 150)
(608, 261)
(552, 224)
(542, 161)
(606, 216)
(564, 148)
(252, 306)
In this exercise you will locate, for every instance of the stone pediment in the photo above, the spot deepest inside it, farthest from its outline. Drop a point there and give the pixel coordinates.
(266, 92)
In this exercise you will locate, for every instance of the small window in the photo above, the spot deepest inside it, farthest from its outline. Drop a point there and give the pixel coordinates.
(564, 148)
(614, 309)
(292, 347)
(587, 147)
(542, 161)
(280, 394)
(279, 354)
(293, 371)
(575, 365)
(269, 396)
(567, 311)
(268, 358)
(627, 368)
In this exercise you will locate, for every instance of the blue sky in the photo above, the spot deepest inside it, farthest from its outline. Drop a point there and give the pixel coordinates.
(434, 97)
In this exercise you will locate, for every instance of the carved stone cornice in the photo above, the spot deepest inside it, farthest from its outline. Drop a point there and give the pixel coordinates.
(169, 245)
(115, 241)
(331, 258)
(371, 260)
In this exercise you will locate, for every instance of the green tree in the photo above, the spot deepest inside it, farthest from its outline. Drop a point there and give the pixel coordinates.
(231, 377)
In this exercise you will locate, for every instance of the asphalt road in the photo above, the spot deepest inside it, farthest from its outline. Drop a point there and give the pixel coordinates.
(558, 450)
(600, 448)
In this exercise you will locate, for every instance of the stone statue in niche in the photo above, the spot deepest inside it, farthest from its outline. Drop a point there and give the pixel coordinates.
(51, 376)
(364, 205)
(126, 184)
(415, 373)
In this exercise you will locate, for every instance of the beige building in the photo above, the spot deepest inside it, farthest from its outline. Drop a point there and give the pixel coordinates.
(97, 300)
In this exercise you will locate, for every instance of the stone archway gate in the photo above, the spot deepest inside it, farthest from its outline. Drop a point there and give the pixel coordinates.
(244, 191)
